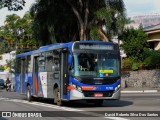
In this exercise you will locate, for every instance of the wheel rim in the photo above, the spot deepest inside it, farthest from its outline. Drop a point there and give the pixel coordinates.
(28, 94)
(58, 96)
(59, 102)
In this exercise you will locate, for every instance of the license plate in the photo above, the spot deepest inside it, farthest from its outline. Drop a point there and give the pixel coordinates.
(98, 94)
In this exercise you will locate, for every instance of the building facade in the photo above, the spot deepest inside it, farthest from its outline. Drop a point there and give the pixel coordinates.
(153, 36)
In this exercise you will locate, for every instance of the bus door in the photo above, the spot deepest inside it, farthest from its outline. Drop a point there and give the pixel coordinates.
(35, 76)
(22, 75)
(64, 72)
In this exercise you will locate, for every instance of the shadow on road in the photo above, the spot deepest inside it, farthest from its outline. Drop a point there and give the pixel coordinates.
(74, 104)
(83, 104)
(2, 118)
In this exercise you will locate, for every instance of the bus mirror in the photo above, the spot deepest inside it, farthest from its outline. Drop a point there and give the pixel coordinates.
(70, 60)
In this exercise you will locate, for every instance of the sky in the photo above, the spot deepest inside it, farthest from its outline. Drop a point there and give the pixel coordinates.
(142, 7)
(4, 11)
(133, 7)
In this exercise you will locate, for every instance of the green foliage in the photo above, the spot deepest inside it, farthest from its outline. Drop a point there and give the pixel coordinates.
(134, 43)
(10, 65)
(134, 66)
(108, 12)
(152, 62)
(62, 20)
(1, 68)
(12, 4)
(127, 63)
(54, 21)
(152, 59)
(9, 36)
(94, 33)
(150, 52)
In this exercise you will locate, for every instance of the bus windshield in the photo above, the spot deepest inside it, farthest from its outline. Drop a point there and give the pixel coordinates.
(96, 65)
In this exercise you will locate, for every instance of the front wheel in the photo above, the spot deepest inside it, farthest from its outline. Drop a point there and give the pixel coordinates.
(57, 97)
(29, 97)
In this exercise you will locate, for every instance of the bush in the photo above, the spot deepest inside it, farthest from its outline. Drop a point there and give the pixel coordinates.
(152, 62)
(2, 68)
(127, 63)
(134, 66)
(149, 52)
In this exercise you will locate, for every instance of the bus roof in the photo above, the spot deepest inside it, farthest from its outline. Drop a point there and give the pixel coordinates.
(58, 46)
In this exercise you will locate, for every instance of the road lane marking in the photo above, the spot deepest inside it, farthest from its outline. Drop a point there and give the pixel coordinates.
(132, 91)
(150, 91)
(139, 91)
(3, 98)
(116, 118)
(61, 108)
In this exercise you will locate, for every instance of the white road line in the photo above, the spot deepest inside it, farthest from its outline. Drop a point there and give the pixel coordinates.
(132, 91)
(150, 91)
(116, 118)
(3, 98)
(59, 107)
(140, 91)
(43, 104)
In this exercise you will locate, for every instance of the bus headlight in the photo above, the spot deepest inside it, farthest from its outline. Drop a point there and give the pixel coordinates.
(77, 87)
(74, 85)
(117, 88)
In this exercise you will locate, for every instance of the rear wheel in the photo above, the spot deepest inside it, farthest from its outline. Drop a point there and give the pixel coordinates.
(57, 97)
(29, 97)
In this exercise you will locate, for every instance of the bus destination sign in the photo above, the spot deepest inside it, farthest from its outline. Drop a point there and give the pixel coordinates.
(96, 47)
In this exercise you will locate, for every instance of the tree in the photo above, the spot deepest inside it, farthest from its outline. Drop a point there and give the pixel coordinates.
(12, 4)
(134, 43)
(74, 19)
(16, 32)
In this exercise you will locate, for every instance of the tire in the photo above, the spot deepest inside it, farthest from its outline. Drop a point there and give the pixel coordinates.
(29, 97)
(57, 98)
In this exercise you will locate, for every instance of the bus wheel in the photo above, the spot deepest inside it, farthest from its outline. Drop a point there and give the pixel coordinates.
(57, 98)
(98, 102)
(29, 97)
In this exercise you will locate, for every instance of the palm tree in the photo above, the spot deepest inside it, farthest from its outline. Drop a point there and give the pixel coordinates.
(113, 17)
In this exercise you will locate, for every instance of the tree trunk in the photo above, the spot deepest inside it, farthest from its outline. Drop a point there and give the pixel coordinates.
(82, 32)
(83, 22)
(101, 33)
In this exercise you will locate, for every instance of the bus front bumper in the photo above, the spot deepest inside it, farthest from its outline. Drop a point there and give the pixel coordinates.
(76, 95)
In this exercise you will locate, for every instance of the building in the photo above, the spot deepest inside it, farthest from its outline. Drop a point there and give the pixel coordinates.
(7, 56)
(6, 74)
(153, 36)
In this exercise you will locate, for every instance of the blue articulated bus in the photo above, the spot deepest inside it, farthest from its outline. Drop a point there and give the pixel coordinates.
(82, 70)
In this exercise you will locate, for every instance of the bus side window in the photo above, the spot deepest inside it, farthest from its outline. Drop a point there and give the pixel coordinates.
(41, 63)
(49, 64)
(56, 61)
(28, 64)
(18, 65)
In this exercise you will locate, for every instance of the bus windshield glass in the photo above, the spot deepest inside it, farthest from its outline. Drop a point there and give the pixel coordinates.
(96, 65)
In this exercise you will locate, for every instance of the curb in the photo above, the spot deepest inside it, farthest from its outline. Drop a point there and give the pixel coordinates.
(140, 91)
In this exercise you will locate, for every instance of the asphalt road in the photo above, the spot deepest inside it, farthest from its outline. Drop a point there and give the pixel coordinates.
(130, 104)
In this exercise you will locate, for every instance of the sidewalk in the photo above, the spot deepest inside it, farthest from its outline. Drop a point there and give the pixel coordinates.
(140, 90)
